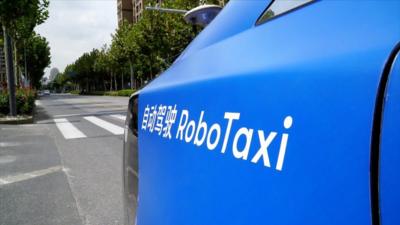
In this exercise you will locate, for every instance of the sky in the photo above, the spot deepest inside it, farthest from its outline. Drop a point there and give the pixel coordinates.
(77, 26)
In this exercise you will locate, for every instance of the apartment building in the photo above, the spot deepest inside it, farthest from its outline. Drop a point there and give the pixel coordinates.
(129, 11)
(132, 10)
(125, 11)
(137, 9)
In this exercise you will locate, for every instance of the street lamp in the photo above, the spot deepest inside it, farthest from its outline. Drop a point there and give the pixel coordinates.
(165, 10)
(202, 15)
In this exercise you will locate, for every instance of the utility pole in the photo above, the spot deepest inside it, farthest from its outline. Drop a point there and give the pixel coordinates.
(10, 72)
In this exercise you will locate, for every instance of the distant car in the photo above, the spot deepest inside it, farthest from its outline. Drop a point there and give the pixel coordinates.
(279, 112)
(46, 92)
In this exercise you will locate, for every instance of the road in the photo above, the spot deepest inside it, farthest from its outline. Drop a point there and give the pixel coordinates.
(66, 167)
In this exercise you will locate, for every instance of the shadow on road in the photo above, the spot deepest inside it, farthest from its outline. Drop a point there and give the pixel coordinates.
(41, 114)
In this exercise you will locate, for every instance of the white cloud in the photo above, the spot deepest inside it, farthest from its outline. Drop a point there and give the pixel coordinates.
(77, 26)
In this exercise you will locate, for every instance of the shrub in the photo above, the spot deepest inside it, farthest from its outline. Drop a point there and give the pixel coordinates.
(111, 93)
(125, 92)
(25, 100)
(4, 105)
(75, 92)
(96, 93)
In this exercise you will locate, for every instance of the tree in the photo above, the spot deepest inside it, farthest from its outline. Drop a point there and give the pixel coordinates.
(142, 50)
(84, 68)
(38, 58)
(102, 66)
(61, 82)
(70, 75)
(151, 45)
(124, 48)
(19, 18)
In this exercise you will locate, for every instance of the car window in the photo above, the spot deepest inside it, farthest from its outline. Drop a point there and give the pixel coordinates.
(279, 7)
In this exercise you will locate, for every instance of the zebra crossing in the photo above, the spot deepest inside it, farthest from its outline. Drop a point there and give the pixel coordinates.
(118, 116)
(69, 130)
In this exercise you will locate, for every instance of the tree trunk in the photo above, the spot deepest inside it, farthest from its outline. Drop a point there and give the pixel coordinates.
(133, 83)
(115, 82)
(25, 63)
(111, 81)
(151, 73)
(2, 78)
(10, 72)
(122, 81)
(87, 85)
(16, 67)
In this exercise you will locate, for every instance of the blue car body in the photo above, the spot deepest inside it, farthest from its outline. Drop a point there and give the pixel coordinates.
(292, 121)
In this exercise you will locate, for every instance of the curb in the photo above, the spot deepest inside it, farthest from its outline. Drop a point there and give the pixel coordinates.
(19, 119)
(16, 120)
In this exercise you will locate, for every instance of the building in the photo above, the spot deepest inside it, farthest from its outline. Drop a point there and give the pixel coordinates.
(53, 74)
(132, 10)
(129, 11)
(137, 10)
(125, 11)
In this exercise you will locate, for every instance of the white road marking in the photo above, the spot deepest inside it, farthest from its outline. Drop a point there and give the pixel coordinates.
(68, 130)
(117, 130)
(38, 103)
(79, 114)
(70, 115)
(119, 116)
(9, 144)
(27, 176)
(27, 125)
(3, 182)
(7, 159)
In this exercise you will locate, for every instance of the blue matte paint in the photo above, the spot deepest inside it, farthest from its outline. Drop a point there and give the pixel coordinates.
(390, 150)
(320, 64)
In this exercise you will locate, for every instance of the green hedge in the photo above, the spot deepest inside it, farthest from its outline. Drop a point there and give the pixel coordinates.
(75, 92)
(125, 92)
(25, 99)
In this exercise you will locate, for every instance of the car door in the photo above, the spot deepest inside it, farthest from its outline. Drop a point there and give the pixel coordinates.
(271, 124)
(389, 161)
